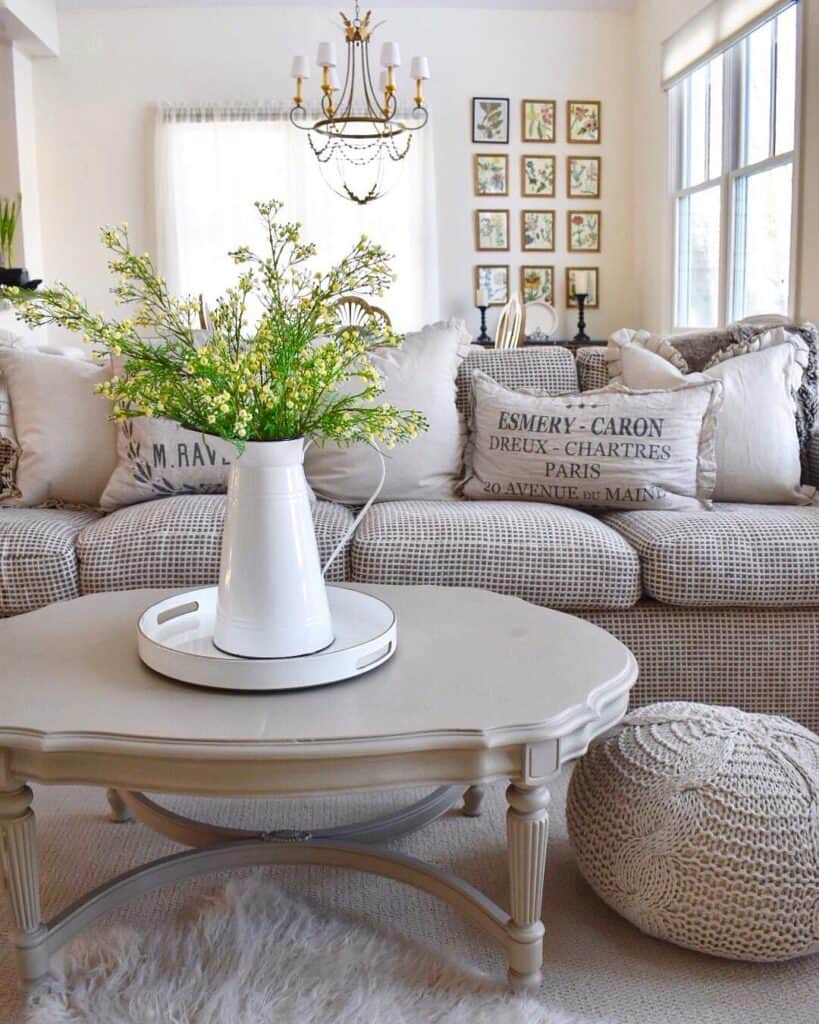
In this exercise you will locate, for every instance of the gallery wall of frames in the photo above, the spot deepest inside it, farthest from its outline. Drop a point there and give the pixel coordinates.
(558, 177)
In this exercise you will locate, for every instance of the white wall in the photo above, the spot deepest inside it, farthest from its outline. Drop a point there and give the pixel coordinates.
(18, 156)
(655, 20)
(94, 121)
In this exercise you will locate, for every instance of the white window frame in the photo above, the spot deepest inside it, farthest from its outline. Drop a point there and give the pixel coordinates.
(733, 128)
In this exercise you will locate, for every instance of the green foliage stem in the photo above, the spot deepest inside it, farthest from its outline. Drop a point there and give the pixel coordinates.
(293, 373)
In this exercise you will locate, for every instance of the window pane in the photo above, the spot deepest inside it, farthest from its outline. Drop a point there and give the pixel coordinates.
(785, 80)
(702, 124)
(715, 120)
(696, 128)
(698, 259)
(758, 67)
(762, 242)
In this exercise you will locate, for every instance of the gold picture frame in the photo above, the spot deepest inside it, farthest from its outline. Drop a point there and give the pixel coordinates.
(500, 217)
(538, 121)
(572, 177)
(584, 127)
(580, 235)
(490, 285)
(532, 270)
(528, 179)
(500, 158)
(530, 235)
(593, 301)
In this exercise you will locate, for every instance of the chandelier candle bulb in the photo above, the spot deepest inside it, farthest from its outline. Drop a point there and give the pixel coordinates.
(390, 56)
(300, 71)
(326, 55)
(419, 69)
(300, 68)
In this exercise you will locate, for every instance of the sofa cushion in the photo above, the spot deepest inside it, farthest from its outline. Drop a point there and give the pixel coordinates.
(538, 366)
(176, 542)
(545, 554)
(38, 563)
(736, 556)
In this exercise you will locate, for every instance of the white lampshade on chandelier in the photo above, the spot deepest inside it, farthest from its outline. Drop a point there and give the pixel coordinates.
(359, 140)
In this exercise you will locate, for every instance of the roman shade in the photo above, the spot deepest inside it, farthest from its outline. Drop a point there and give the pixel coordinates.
(713, 29)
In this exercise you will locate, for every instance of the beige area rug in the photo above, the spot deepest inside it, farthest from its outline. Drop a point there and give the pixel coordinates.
(597, 966)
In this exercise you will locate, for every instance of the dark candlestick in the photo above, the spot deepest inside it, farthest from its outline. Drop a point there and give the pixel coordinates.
(581, 323)
(483, 338)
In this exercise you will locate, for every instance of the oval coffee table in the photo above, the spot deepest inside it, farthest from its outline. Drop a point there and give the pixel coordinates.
(482, 687)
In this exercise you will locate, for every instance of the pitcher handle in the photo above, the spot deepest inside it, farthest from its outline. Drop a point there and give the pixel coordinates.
(343, 542)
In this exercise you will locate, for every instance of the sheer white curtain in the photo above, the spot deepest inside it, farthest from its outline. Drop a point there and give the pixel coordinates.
(212, 163)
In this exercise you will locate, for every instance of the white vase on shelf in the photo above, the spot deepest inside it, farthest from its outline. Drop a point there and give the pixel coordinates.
(272, 599)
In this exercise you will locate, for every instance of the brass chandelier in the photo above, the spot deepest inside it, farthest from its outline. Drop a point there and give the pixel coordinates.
(359, 139)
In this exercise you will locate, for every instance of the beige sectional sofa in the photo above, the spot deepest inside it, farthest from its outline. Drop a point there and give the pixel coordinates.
(721, 607)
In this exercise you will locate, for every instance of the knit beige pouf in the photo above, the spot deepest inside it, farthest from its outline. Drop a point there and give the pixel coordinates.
(701, 826)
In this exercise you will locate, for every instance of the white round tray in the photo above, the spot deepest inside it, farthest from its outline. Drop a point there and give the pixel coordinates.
(176, 639)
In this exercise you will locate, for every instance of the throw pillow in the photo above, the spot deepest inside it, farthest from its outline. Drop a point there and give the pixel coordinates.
(611, 448)
(418, 375)
(157, 458)
(66, 441)
(757, 447)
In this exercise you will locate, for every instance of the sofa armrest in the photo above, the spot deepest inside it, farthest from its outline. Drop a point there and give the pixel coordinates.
(592, 367)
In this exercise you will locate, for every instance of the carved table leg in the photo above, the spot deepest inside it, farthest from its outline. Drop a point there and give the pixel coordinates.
(527, 830)
(120, 811)
(473, 798)
(18, 855)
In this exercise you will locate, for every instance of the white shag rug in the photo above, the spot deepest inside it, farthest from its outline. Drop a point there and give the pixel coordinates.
(255, 955)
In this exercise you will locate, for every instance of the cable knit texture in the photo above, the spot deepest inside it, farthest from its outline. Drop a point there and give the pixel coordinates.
(700, 825)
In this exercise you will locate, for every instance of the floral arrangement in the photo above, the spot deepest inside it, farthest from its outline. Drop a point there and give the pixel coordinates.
(293, 372)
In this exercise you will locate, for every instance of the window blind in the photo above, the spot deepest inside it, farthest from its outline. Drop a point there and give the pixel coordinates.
(716, 27)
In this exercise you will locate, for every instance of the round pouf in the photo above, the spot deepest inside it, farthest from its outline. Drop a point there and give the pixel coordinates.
(701, 826)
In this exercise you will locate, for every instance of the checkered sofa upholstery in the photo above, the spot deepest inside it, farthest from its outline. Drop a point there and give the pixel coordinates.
(552, 556)
(38, 557)
(175, 542)
(738, 556)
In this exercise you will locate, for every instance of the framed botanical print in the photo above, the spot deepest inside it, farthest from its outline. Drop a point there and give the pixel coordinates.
(537, 120)
(583, 230)
(490, 174)
(583, 121)
(537, 176)
(492, 230)
(537, 284)
(583, 177)
(537, 230)
(490, 120)
(591, 285)
(494, 278)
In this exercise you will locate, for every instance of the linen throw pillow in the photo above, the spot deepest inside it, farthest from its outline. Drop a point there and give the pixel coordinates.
(157, 458)
(612, 448)
(757, 447)
(66, 441)
(418, 375)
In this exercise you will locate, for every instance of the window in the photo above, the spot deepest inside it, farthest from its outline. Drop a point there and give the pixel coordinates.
(212, 164)
(733, 131)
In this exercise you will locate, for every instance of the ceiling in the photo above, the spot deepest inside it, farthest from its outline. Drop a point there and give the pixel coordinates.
(538, 5)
